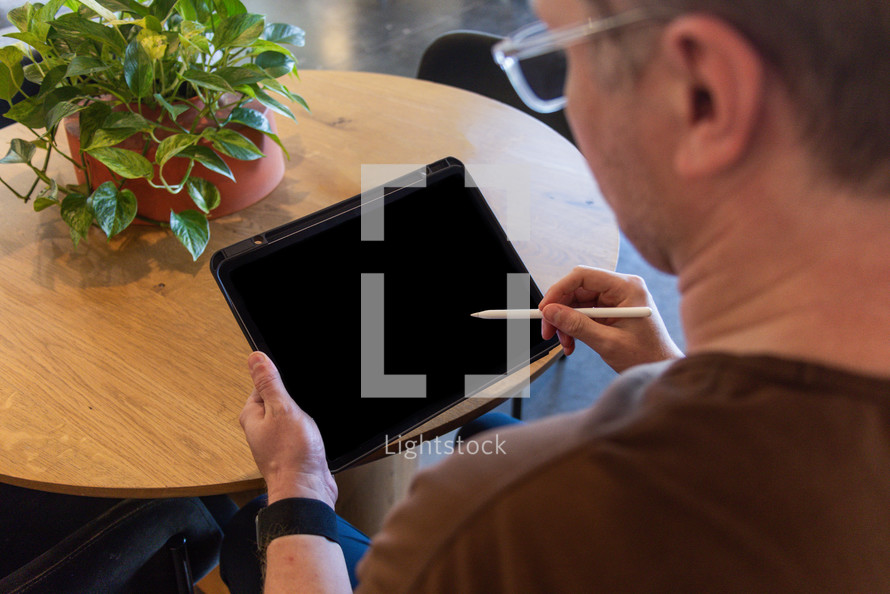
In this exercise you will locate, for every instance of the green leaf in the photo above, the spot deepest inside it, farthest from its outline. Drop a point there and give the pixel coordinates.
(198, 41)
(138, 70)
(154, 44)
(238, 30)
(91, 119)
(98, 9)
(62, 93)
(127, 119)
(233, 144)
(51, 80)
(62, 110)
(31, 39)
(75, 28)
(232, 7)
(275, 64)
(187, 9)
(29, 112)
(131, 7)
(270, 84)
(301, 101)
(208, 159)
(109, 137)
(191, 28)
(273, 104)
(207, 80)
(125, 163)
(48, 12)
(192, 230)
(21, 16)
(261, 45)
(82, 65)
(33, 72)
(204, 194)
(282, 33)
(49, 193)
(20, 151)
(174, 110)
(76, 212)
(256, 120)
(12, 74)
(114, 211)
(236, 76)
(206, 12)
(250, 118)
(43, 203)
(160, 9)
(172, 145)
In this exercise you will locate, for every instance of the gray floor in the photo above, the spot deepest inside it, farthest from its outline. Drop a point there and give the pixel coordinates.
(389, 36)
(385, 35)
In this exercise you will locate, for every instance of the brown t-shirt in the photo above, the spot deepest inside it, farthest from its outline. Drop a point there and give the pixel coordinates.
(714, 473)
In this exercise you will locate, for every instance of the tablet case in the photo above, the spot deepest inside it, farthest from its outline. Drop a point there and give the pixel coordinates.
(305, 294)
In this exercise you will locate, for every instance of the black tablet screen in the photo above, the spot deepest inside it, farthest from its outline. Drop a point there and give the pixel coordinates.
(441, 260)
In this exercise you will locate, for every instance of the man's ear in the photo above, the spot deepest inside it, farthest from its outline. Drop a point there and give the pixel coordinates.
(721, 78)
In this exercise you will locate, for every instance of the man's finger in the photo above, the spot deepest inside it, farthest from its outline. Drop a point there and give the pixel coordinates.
(567, 342)
(571, 323)
(600, 287)
(266, 378)
(253, 408)
(254, 398)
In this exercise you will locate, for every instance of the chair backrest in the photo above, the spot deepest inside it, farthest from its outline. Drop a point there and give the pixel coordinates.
(463, 59)
(136, 545)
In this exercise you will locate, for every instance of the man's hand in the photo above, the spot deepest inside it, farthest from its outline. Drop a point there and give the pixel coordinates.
(284, 440)
(622, 343)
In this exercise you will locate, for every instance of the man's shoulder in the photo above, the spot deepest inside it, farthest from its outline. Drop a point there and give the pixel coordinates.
(516, 457)
(457, 497)
(669, 461)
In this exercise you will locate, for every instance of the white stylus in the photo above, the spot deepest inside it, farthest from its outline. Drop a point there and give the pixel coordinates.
(590, 312)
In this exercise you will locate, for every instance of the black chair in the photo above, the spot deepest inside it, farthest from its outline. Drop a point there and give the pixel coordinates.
(134, 545)
(463, 59)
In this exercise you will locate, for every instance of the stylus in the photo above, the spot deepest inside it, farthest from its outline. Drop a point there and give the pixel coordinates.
(590, 312)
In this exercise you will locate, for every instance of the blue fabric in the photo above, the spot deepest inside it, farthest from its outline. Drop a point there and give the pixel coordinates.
(486, 422)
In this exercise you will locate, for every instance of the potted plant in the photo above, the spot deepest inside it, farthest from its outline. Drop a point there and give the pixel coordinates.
(155, 95)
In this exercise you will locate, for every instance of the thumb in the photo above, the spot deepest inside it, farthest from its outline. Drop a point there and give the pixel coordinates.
(266, 378)
(570, 322)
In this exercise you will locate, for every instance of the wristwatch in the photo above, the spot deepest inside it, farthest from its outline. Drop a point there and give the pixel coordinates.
(297, 515)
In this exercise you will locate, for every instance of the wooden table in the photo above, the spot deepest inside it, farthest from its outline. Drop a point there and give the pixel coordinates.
(122, 371)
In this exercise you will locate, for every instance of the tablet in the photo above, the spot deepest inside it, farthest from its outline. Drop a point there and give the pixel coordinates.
(333, 310)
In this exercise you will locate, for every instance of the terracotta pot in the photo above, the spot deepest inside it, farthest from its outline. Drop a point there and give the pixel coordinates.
(254, 180)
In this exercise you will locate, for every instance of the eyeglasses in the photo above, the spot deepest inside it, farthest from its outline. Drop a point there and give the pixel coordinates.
(534, 58)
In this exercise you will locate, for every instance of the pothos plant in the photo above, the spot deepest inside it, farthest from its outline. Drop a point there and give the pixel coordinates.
(131, 68)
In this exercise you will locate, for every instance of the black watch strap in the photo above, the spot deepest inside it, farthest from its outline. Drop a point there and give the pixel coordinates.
(296, 515)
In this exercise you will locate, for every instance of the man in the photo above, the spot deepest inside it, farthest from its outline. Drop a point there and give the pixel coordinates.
(744, 146)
